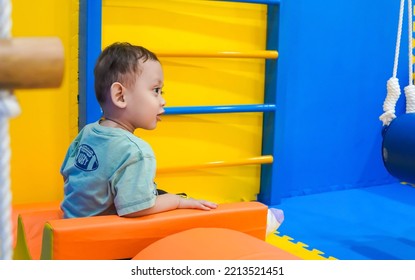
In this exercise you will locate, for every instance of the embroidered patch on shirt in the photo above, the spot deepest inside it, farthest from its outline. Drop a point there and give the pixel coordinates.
(86, 159)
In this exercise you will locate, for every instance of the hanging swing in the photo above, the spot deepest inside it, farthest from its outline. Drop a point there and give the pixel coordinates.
(398, 146)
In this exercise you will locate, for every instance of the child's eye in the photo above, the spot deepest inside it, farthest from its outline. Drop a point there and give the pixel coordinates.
(158, 90)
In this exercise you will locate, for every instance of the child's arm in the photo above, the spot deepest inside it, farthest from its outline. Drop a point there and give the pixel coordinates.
(168, 202)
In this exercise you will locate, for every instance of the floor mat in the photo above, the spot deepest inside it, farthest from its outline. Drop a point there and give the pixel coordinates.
(376, 223)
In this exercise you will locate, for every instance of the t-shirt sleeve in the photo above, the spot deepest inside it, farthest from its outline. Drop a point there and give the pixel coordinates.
(134, 186)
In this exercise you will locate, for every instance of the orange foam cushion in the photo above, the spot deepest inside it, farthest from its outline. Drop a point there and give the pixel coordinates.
(113, 237)
(212, 244)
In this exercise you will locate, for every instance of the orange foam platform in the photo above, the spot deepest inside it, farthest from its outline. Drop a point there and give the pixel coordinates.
(43, 234)
(212, 244)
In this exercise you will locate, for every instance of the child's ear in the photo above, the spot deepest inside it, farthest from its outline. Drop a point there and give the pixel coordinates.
(117, 95)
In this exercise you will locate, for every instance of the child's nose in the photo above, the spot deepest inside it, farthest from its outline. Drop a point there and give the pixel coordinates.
(162, 101)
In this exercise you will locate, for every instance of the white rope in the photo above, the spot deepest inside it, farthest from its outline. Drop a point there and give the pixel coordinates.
(394, 91)
(410, 98)
(8, 108)
(398, 39)
(392, 86)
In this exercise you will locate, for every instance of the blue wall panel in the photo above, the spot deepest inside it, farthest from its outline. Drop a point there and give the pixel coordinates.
(334, 60)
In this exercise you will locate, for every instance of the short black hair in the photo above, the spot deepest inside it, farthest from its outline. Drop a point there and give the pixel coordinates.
(118, 62)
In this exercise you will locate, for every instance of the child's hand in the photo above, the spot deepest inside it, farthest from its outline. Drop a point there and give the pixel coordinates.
(191, 203)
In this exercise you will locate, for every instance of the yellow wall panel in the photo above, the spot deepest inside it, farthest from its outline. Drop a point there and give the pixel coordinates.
(41, 134)
(192, 139)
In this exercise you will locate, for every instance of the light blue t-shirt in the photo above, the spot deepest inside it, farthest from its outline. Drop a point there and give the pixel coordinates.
(108, 171)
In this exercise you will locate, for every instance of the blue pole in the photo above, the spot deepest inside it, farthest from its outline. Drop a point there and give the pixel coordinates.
(90, 26)
(219, 109)
(269, 192)
(268, 2)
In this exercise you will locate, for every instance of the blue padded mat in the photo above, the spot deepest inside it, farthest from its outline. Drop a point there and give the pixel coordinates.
(376, 223)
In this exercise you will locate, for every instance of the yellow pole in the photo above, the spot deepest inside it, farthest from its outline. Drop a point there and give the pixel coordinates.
(247, 161)
(220, 54)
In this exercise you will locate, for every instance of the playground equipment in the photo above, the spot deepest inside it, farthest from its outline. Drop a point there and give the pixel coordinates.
(398, 149)
(91, 45)
(43, 233)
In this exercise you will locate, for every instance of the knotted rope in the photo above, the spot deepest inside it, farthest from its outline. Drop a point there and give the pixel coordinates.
(392, 85)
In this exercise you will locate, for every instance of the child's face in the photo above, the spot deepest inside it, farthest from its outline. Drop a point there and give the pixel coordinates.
(145, 103)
